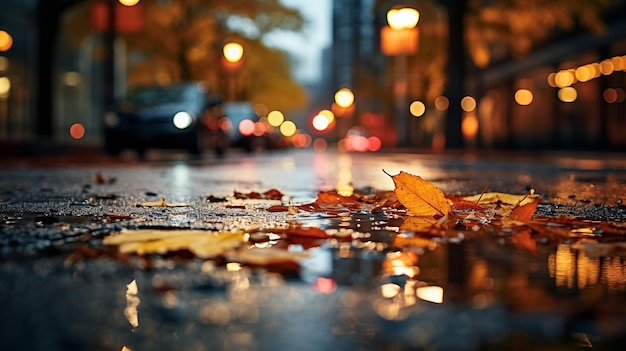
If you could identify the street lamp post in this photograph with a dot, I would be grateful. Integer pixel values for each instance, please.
(400, 39)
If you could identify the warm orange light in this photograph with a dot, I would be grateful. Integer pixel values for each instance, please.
(275, 118)
(523, 97)
(344, 97)
(469, 126)
(320, 122)
(288, 128)
(417, 108)
(129, 2)
(403, 18)
(329, 115)
(77, 131)
(607, 67)
(5, 86)
(610, 95)
(468, 104)
(584, 73)
(564, 78)
(6, 40)
(442, 103)
(233, 52)
(568, 94)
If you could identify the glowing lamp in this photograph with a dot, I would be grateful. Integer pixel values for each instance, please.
(403, 18)
(344, 97)
(233, 52)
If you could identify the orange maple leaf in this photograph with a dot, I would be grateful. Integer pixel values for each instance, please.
(419, 196)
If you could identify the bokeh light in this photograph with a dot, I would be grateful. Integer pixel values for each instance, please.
(469, 126)
(4, 64)
(568, 94)
(417, 108)
(523, 97)
(301, 140)
(329, 115)
(607, 67)
(468, 104)
(6, 40)
(129, 2)
(320, 144)
(275, 118)
(374, 143)
(233, 52)
(344, 97)
(5, 86)
(77, 131)
(246, 127)
(320, 123)
(564, 78)
(610, 95)
(442, 103)
(288, 128)
(403, 18)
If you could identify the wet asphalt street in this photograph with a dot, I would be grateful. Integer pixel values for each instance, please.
(61, 290)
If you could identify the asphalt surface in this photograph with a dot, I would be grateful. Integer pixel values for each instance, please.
(62, 289)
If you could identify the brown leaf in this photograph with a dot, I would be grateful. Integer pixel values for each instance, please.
(420, 197)
(524, 212)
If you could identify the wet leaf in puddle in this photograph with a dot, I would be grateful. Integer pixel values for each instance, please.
(265, 256)
(418, 223)
(419, 196)
(203, 244)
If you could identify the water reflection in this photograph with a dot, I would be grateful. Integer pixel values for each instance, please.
(132, 302)
(572, 269)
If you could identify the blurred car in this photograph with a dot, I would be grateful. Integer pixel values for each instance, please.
(181, 116)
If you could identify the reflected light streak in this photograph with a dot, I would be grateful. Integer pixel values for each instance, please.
(344, 181)
(432, 294)
(132, 302)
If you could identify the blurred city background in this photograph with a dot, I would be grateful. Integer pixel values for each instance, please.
(358, 75)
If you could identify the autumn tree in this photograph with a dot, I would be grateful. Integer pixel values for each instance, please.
(183, 40)
(513, 28)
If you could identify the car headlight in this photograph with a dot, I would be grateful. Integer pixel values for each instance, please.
(182, 120)
(111, 119)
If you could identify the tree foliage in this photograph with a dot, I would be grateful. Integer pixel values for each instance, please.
(183, 40)
(513, 27)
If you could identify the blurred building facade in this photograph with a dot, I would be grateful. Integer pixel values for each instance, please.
(592, 116)
(498, 116)
(17, 69)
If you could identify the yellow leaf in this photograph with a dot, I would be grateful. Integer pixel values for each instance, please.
(202, 243)
(420, 197)
(418, 223)
(161, 203)
(509, 199)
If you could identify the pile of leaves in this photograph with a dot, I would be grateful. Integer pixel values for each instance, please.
(426, 212)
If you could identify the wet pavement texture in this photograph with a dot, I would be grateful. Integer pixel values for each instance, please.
(62, 289)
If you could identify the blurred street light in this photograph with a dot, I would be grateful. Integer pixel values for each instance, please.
(233, 52)
(400, 39)
(232, 62)
(344, 98)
